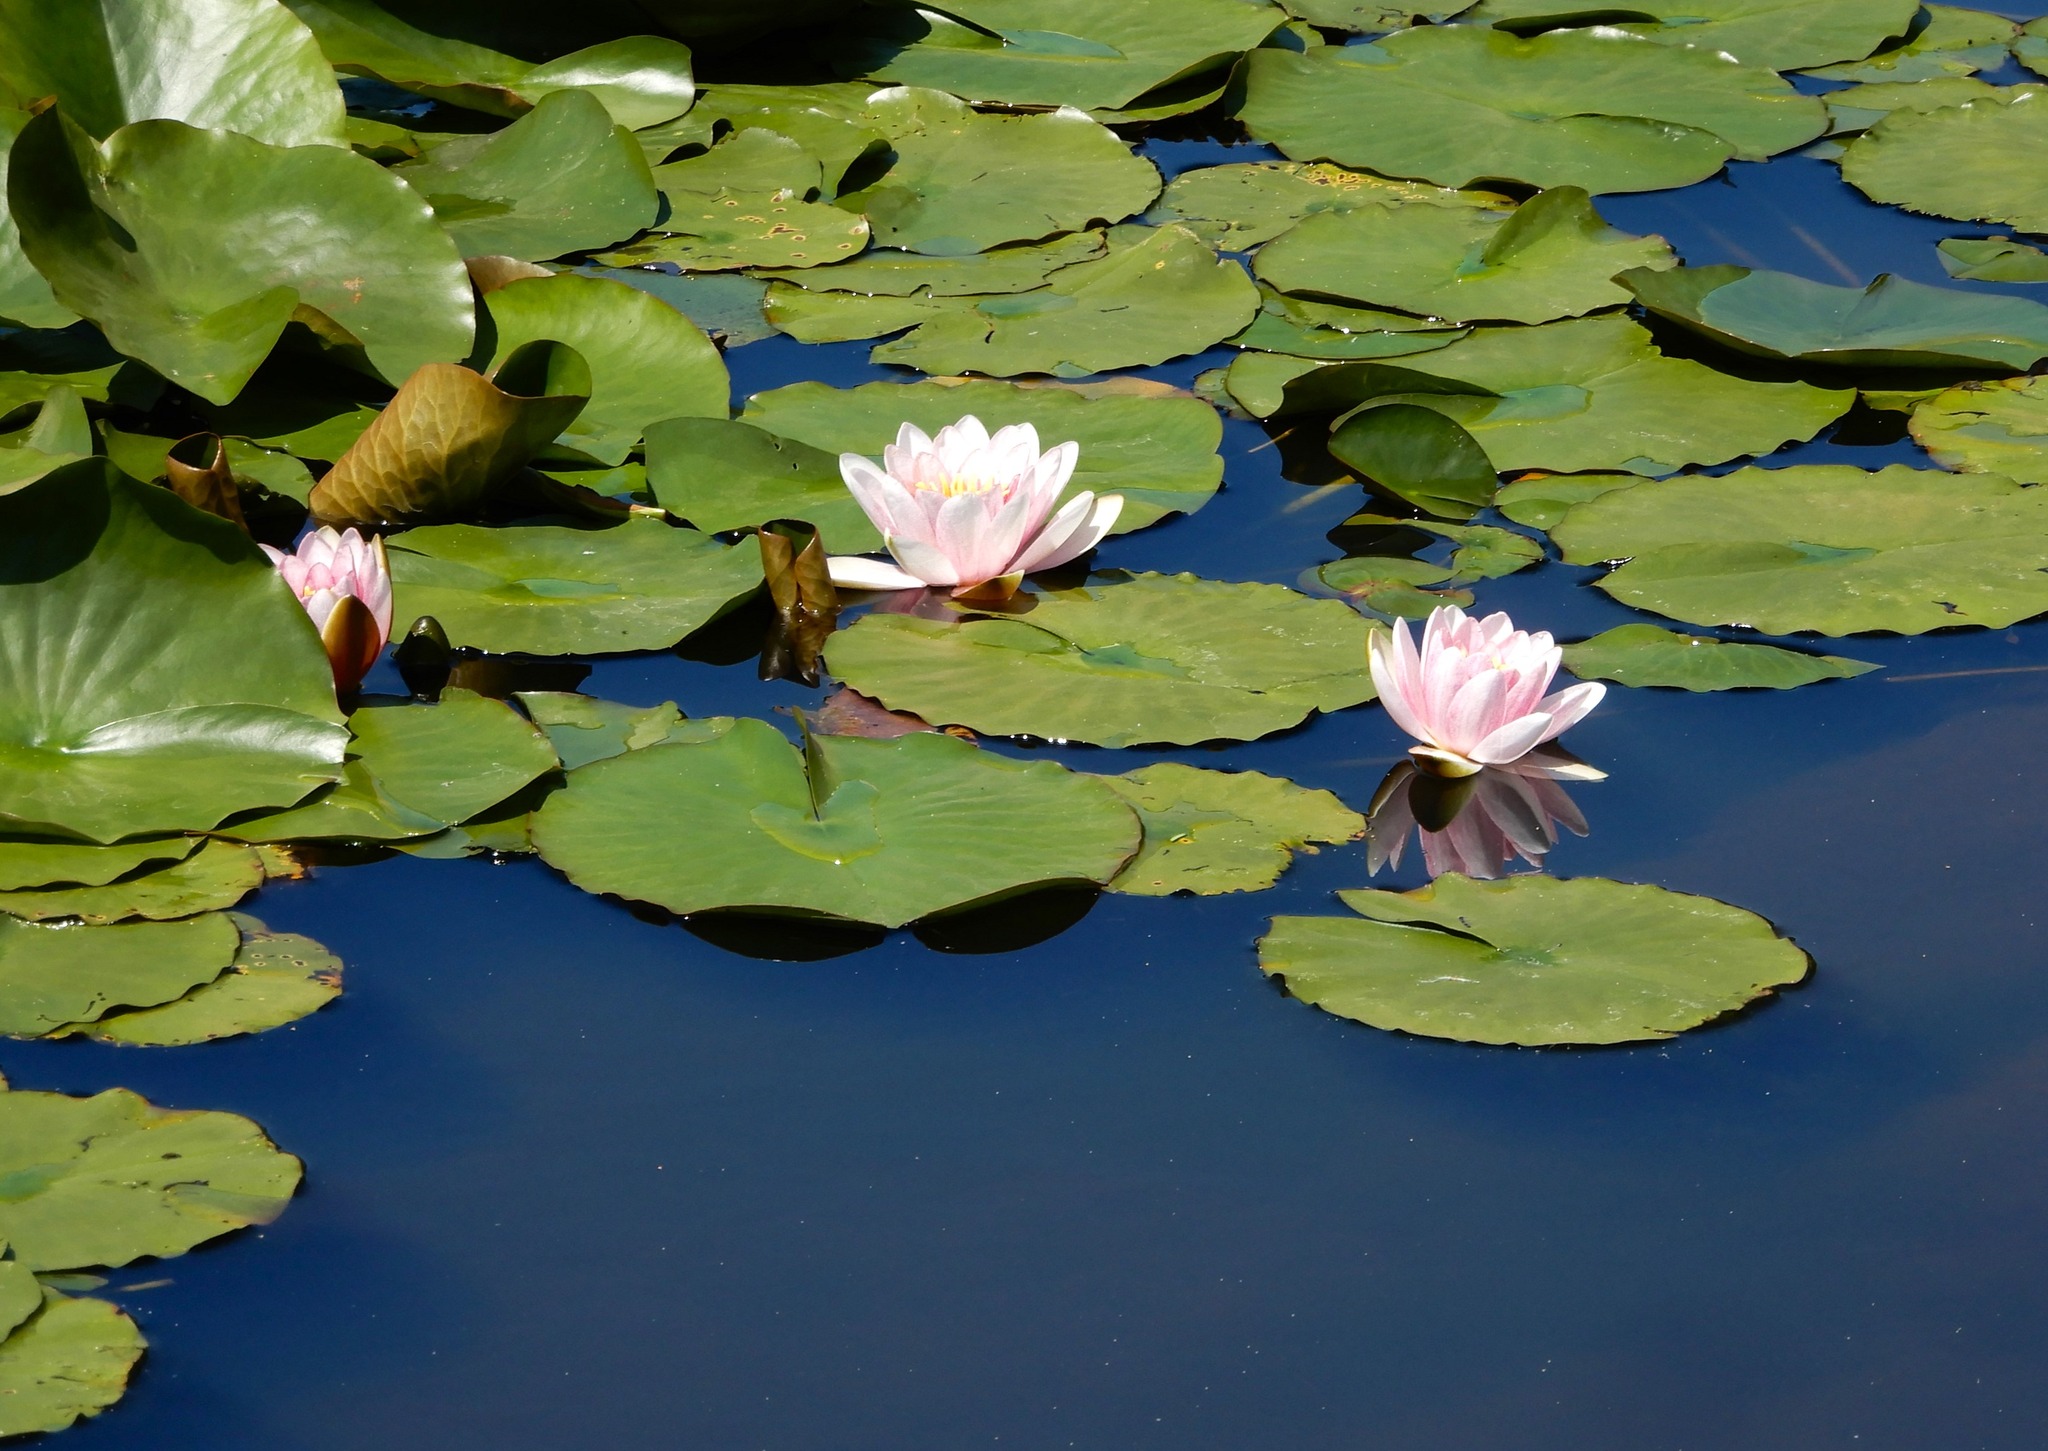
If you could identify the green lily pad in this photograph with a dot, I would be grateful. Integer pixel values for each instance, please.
(1988, 428)
(277, 978)
(1782, 35)
(1210, 832)
(1338, 332)
(21, 1295)
(1531, 961)
(1644, 655)
(1892, 323)
(1237, 206)
(1825, 548)
(1369, 17)
(1551, 257)
(1417, 454)
(962, 182)
(2031, 49)
(1457, 104)
(868, 831)
(1128, 660)
(219, 875)
(1992, 259)
(1483, 552)
(1394, 587)
(550, 590)
(1985, 160)
(54, 975)
(1859, 108)
(1155, 446)
(647, 361)
(169, 731)
(886, 272)
(61, 434)
(729, 230)
(827, 122)
(108, 1179)
(724, 305)
(25, 298)
(70, 1361)
(721, 474)
(744, 161)
(583, 730)
(234, 65)
(1542, 499)
(1954, 42)
(562, 178)
(147, 237)
(28, 863)
(1064, 52)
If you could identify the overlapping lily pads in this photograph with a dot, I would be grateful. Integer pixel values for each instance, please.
(1988, 428)
(1647, 655)
(726, 230)
(276, 978)
(1208, 832)
(1780, 34)
(720, 474)
(1985, 160)
(1992, 259)
(1531, 961)
(68, 1361)
(217, 876)
(1953, 42)
(1237, 206)
(892, 272)
(55, 975)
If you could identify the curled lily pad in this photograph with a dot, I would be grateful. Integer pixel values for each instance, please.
(1126, 660)
(109, 1179)
(1531, 961)
(60, 434)
(52, 975)
(68, 1361)
(548, 590)
(1953, 42)
(276, 978)
(25, 297)
(1992, 259)
(1209, 832)
(1984, 160)
(1780, 34)
(1988, 428)
(1596, 108)
(145, 235)
(867, 831)
(31, 863)
(727, 230)
(721, 474)
(1338, 331)
(219, 875)
(1647, 655)
(168, 732)
(1825, 548)
(1237, 206)
(583, 730)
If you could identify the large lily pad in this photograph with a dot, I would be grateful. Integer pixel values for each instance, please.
(1531, 960)
(235, 65)
(1782, 35)
(869, 831)
(54, 975)
(69, 1361)
(1988, 428)
(1985, 160)
(277, 978)
(1209, 832)
(1595, 108)
(1153, 445)
(219, 875)
(722, 474)
(1128, 660)
(1065, 52)
(1825, 548)
(1237, 206)
(168, 731)
(647, 361)
(1646, 655)
(108, 1179)
(25, 297)
(1552, 257)
(148, 236)
(1892, 323)
(562, 178)
(550, 590)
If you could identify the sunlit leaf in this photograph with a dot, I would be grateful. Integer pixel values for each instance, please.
(1647, 655)
(889, 272)
(720, 475)
(1209, 832)
(583, 730)
(277, 978)
(1953, 42)
(1779, 34)
(729, 230)
(1237, 206)
(51, 975)
(219, 875)
(1992, 259)
(68, 1362)
(26, 862)
(1985, 160)
(1988, 428)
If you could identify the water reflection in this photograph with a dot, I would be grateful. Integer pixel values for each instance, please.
(1477, 825)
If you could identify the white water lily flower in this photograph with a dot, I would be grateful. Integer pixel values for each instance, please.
(970, 513)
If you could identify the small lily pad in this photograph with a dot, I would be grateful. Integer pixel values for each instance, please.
(54, 975)
(69, 1361)
(583, 730)
(1644, 655)
(1540, 500)
(1988, 428)
(277, 978)
(1992, 259)
(1209, 832)
(729, 230)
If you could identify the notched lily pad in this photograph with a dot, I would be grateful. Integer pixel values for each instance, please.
(1209, 832)
(1985, 160)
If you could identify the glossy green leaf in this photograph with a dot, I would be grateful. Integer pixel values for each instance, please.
(1209, 832)
(1127, 660)
(1992, 259)
(68, 1362)
(724, 305)
(1237, 206)
(1540, 500)
(1647, 655)
(1825, 548)
(827, 122)
(583, 730)
(234, 65)
(549, 590)
(1531, 960)
(647, 361)
(1395, 587)
(1337, 332)
(562, 178)
(52, 975)
(729, 230)
(754, 161)
(219, 875)
(1778, 34)
(25, 298)
(1859, 108)
(148, 237)
(888, 272)
(26, 862)
(1153, 445)
(277, 978)
(720, 474)
(1595, 108)
(60, 434)
(1988, 428)
(1985, 160)
(1483, 552)
(21, 1295)
(1953, 42)
(34, 364)
(1417, 454)
(868, 831)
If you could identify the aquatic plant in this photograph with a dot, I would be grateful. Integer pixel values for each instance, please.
(344, 581)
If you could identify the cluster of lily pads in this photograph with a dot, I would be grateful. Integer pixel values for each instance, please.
(462, 276)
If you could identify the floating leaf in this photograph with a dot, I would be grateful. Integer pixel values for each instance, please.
(277, 978)
(1647, 655)
(1340, 333)
(60, 434)
(724, 305)
(1368, 17)
(25, 298)
(1237, 206)
(51, 976)
(1154, 445)
(1824, 548)
(218, 876)
(1892, 323)
(1861, 107)
(234, 65)
(108, 1179)
(168, 731)
(1393, 586)
(647, 361)
(148, 237)
(562, 178)
(725, 474)
(829, 123)
(1988, 428)
(1483, 551)
(1540, 500)
(1779, 34)
(21, 1295)
(1456, 104)
(68, 1362)
(1992, 259)
(736, 229)
(891, 273)
(1982, 161)
(583, 730)
(25, 863)
(1954, 42)
(1209, 832)
(1551, 257)
(1531, 961)
(1129, 660)
(1419, 455)
(744, 161)
(452, 437)
(872, 831)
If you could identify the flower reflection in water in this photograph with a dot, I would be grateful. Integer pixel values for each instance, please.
(1477, 825)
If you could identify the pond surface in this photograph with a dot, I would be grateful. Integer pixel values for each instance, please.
(580, 1179)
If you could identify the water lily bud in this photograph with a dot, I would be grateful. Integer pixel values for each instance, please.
(344, 581)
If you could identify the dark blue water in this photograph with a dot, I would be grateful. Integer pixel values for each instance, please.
(579, 1180)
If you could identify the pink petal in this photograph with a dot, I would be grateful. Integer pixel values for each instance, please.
(1099, 516)
(1512, 741)
(1570, 706)
(876, 492)
(1475, 712)
(854, 571)
(927, 562)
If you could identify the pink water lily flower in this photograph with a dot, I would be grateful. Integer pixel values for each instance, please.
(970, 513)
(344, 581)
(1473, 693)
(1506, 812)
